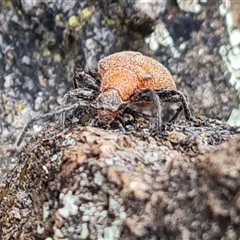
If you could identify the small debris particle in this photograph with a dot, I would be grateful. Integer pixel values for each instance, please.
(86, 12)
(46, 52)
(69, 142)
(69, 205)
(109, 162)
(114, 206)
(85, 218)
(85, 231)
(99, 178)
(40, 229)
(112, 233)
(73, 21)
(122, 215)
(58, 233)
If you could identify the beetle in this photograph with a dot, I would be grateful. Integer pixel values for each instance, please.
(123, 80)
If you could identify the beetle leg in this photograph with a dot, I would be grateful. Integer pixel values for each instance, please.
(59, 110)
(125, 118)
(172, 96)
(84, 94)
(86, 79)
(175, 116)
(119, 124)
(150, 95)
(80, 93)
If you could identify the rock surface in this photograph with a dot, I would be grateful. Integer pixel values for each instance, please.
(89, 183)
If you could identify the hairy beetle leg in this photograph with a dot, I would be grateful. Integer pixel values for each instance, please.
(81, 94)
(150, 95)
(59, 110)
(173, 96)
(86, 79)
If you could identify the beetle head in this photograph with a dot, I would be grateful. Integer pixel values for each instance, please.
(108, 104)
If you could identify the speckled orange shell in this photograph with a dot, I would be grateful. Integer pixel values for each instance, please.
(128, 71)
